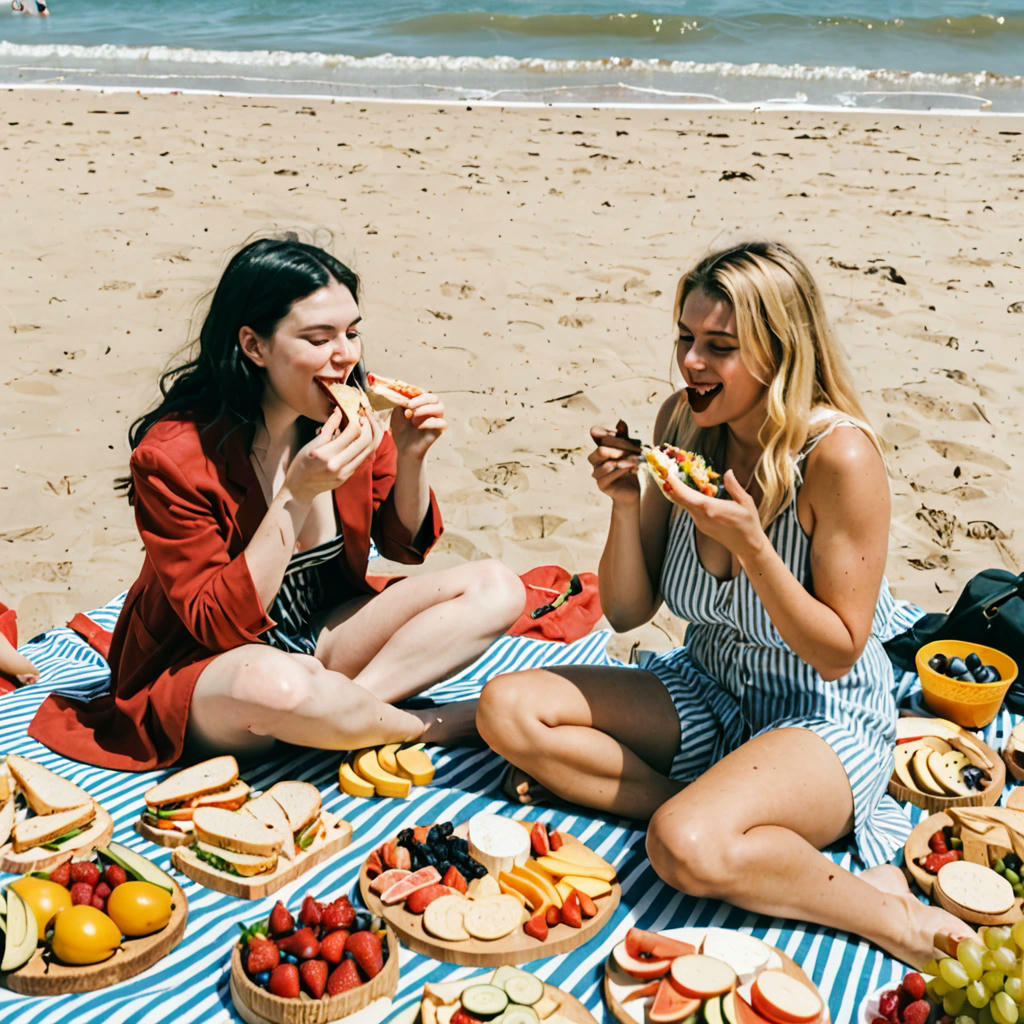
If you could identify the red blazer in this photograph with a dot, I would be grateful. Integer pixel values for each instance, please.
(197, 505)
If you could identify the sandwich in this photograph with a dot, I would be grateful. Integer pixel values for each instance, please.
(171, 804)
(386, 392)
(284, 821)
(667, 461)
(64, 816)
(349, 398)
(6, 802)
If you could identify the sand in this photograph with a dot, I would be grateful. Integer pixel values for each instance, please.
(521, 263)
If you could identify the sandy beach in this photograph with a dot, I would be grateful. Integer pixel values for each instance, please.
(521, 263)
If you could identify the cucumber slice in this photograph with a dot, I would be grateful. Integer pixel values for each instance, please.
(484, 1000)
(501, 973)
(138, 866)
(517, 1014)
(523, 988)
(56, 844)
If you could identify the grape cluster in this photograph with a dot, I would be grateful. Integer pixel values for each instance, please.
(984, 982)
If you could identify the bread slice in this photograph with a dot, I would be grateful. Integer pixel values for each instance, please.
(300, 801)
(218, 773)
(46, 791)
(44, 828)
(350, 399)
(6, 819)
(6, 782)
(235, 830)
(267, 810)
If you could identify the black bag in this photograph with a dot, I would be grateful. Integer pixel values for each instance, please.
(990, 611)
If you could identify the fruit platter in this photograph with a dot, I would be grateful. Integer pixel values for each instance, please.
(493, 891)
(966, 860)
(87, 924)
(507, 993)
(711, 975)
(325, 962)
(936, 765)
(391, 770)
(978, 981)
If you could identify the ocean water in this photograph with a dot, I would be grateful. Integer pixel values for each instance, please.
(955, 55)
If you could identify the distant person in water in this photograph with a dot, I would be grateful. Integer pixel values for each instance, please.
(32, 7)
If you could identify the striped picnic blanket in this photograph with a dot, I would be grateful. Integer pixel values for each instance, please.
(191, 983)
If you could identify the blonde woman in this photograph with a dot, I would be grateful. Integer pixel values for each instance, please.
(769, 734)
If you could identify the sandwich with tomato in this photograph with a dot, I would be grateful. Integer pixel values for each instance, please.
(387, 392)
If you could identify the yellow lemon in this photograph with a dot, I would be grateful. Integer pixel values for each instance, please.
(84, 935)
(44, 898)
(139, 908)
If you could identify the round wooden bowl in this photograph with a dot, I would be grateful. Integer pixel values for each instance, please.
(257, 1006)
(917, 846)
(45, 975)
(986, 797)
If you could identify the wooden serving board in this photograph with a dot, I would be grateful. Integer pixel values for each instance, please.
(515, 948)
(99, 833)
(917, 846)
(45, 975)
(258, 1006)
(163, 836)
(617, 982)
(339, 835)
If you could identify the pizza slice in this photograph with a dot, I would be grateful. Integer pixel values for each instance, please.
(667, 461)
(349, 398)
(386, 392)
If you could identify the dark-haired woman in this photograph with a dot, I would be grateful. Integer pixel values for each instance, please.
(253, 619)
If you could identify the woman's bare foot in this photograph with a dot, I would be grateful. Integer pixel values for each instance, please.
(520, 788)
(927, 928)
(449, 725)
(15, 665)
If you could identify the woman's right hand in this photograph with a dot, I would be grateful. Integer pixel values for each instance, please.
(331, 457)
(615, 460)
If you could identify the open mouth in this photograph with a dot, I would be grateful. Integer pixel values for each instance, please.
(700, 396)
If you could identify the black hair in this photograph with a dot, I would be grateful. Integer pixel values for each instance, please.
(257, 289)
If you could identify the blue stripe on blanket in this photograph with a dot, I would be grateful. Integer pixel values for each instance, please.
(190, 984)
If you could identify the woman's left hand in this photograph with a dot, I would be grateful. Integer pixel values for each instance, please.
(734, 524)
(418, 425)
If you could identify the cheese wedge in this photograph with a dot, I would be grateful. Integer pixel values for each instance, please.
(946, 769)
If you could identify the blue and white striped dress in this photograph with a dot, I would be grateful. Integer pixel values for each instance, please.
(736, 678)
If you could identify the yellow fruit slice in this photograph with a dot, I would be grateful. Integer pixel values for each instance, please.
(539, 877)
(386, 784)
(353, 784)
(592, 887)
(517, 882)
(386, 757)
(414, 763)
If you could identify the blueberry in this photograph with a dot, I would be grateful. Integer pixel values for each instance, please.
(361, 922)
(957, 667)
(262, 979)
(1012, 861)
(972, 778)
(938, 663)
(289, 958)
(973, 661)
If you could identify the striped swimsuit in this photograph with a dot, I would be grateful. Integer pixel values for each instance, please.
(736, 678)
(307, 591)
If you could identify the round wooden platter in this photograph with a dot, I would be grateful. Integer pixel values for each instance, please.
(569, 1006)
(514, 948)
(617, 982)
(99, 833)
(978, 752)
(339, 835)
(44, 975)
(369, 1003)
(917, 846)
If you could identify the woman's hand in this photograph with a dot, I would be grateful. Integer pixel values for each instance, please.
(418, 425)
(614, 461)
(734, 524)
(327, 461)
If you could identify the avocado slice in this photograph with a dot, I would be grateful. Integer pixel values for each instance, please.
(22, 933)
(138, 866)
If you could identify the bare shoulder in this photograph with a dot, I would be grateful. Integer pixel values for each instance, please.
(845, 465)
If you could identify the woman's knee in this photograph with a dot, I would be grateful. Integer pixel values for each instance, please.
(497, 587)
(276, 685)
(505, 710)
(694, 852)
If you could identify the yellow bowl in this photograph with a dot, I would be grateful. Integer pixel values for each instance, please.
(970, 705)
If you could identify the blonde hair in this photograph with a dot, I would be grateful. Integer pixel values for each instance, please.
(786, 343)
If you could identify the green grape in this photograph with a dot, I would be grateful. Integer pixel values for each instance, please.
(1004, 959)
(999, 867)
(1011, 876)
(955, 843)
(1017, 933)
(937, 988)
(996, 937)
(1018, 889)
(963, 1018)
(953, 1001)
(977, 995)
(987, 963)
(971, 954)
(1014, 988)
(1004, 1009)
(953, 973)
(931, 967)
(993, 980)
(985, 1015)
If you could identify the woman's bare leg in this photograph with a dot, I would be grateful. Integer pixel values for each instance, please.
(750, 829)
(251, 694)
(422, 628)
(603, 737)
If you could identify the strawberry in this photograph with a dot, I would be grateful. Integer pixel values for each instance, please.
(934, 861)
(889, 1004)
(539, 840)
(102, 890)
(314, 977)
(587, 906)
(61, 874)
(339, 914)
(332, 946)
(553, 915)
(284, 981)
(262, 955)
(461, 1017)
(571, 913)
(917, 1012)
(454, 879)
(419, 899)
(85, 871)
(343, 977)
(366, 948)
(937, 842)
(555, 839)
(98, 902)
(115, 875)
(310, 912)
(879, 1020)
(281, 922)
(537, 926)
(420, 833)
(81, 892)
(303, 944)
(914, 985)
